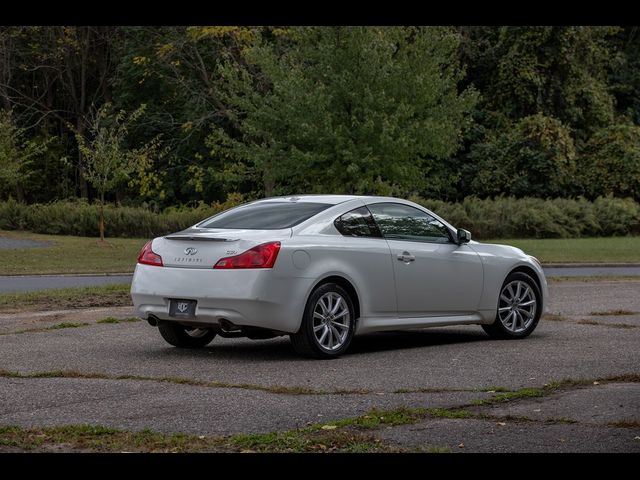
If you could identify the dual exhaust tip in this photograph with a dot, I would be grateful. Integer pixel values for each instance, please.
(225, 325)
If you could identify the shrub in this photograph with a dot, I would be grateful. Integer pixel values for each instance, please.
(502, 217)
(508, 217)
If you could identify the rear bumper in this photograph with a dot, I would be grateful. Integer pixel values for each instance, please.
(252, 297)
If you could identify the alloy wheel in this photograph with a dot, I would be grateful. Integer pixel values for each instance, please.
(331, 321)
(517, 306)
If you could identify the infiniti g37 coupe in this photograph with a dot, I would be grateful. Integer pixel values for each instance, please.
(322, 269)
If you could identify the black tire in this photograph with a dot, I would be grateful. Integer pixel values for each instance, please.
(498, 329)
(306, 343)
(178, 335)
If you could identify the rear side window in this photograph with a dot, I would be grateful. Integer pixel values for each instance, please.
(357, 223)
(265, 216)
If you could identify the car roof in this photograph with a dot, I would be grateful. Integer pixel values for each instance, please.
(330, 199)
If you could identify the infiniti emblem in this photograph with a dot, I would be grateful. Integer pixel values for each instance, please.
(190, 251)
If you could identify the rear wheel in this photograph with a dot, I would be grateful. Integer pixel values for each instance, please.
(518, 308)
(328, 323)
(185, 337)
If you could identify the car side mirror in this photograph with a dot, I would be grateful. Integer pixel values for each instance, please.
(464, 236)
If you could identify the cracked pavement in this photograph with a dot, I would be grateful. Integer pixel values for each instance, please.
(439, 367)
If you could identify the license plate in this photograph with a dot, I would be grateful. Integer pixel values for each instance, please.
(182, 308)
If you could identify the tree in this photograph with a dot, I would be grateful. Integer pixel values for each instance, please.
(561, 72)
(108, 163)
(344, 109)
(16, 153)
(611, 162)
(534, 157)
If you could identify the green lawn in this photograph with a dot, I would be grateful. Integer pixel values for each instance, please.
(572, 250)
(69, 255)
(84, 255)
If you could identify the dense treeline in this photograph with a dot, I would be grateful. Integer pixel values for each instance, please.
(161, 116)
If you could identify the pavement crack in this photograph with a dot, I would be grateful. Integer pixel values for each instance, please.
(588, 321)
(281, 390)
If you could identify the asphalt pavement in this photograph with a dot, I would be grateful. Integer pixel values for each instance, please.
(593, 335)
(31, 283)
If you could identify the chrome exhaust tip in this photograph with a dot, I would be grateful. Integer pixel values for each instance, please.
(153, 321)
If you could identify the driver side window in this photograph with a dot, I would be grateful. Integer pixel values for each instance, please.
(403, 222)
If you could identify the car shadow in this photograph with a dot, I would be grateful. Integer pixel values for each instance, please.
(280, 349)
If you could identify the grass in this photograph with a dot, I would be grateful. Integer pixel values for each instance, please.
(625, 424)
(587, 321)
(375, 418)
(612, 313)
(63, 298)
(119, 320)
(515, 395)
(575, 250)
(102, 439)
(68, 254)
(58, 326)
(594, 278)
(62, 325)
(449, 413)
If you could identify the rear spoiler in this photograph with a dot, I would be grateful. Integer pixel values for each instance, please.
(200, 238)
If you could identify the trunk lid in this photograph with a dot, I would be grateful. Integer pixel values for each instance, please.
(202, 248)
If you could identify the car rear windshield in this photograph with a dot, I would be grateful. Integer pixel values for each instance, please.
(265, 216)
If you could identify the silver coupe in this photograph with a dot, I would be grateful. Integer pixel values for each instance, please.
(323, 268)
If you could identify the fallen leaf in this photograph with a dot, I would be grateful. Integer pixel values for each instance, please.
(329, 427)
(502, 424)
(537, 410)
(491, 391)
(201, 437)
(461, 445)
(596, 383)
(637, 438)
(247, 451)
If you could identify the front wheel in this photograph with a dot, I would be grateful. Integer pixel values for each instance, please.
(185, 337)
(327, 325)
(519, 308)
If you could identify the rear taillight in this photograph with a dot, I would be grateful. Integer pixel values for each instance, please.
(262, 256)
(148, 256)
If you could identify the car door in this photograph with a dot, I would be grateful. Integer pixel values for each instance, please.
(434, 276)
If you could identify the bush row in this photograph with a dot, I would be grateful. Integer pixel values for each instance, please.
(508, 217)
(490, 218)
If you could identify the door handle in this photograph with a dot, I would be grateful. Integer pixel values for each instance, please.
(406, 257)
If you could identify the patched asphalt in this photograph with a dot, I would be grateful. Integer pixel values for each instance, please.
(32, 283)
(445, 359)
(12, 243)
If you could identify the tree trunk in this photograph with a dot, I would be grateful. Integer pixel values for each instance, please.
(19, 193)
(269, 183)
(84, 187)
(102, 216)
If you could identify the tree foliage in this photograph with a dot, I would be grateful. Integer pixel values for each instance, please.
(355, 110)
(440, 112)
(107, 163)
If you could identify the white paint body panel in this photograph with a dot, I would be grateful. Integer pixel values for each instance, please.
(447, 284)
